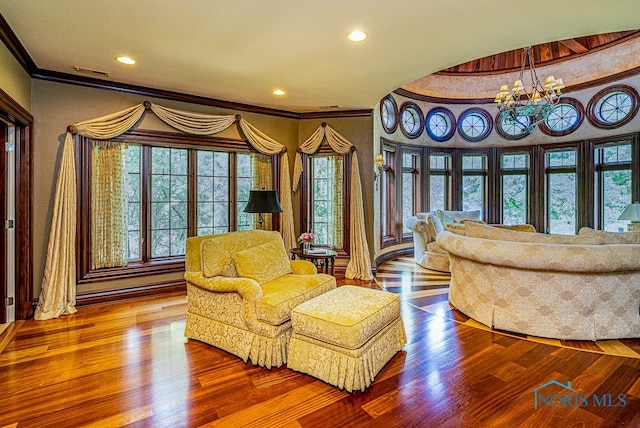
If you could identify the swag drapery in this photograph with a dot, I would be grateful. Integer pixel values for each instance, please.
(359, 266)
(58, 294)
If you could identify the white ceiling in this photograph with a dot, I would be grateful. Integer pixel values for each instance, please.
(242, 50)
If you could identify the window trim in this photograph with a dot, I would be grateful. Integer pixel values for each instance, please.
(392, 129)
(501, 172)
(410, 105)
(475, 111)
(452, 122)
(155, 266)
(388, 179)
(634, 165)
(594, 102)
(579, 108)
(498, 120)
(305, 193)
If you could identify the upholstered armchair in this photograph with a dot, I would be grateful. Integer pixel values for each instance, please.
(241, 288)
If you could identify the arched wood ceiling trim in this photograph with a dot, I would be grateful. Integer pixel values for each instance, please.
(543, 54)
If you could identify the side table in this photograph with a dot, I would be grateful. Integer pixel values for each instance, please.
(321, 257)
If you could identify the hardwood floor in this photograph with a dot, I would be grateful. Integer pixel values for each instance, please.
(128, 364)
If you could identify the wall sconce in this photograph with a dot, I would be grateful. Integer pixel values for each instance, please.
(378, 167)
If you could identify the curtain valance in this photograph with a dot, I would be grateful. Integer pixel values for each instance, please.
(58, 294)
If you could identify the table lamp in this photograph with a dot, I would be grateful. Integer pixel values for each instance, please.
(263, 201)
(632, 212)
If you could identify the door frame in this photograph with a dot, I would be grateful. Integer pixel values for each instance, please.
(17, 116)
(4, 128)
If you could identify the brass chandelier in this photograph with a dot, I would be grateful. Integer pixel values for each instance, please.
(526, 108)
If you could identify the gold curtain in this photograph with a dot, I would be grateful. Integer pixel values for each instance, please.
(58, 294)
(108, 205)
(335, 170)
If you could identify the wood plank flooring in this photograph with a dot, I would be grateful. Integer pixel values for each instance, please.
(128, 364)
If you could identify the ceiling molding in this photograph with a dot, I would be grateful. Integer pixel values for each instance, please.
(92, 82)
(11, 41)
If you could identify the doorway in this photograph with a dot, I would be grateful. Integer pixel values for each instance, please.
(7, 236)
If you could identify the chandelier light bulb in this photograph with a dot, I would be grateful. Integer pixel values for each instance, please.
(534, 103)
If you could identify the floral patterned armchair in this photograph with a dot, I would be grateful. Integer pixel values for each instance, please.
(241, 288)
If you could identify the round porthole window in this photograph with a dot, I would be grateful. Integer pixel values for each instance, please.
(440, 124)
(411, 120)
(512, 130)
(613, 107)
(389, 114)
(474, 124)
(566, 117)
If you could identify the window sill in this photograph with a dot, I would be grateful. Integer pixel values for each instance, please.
(132, 270)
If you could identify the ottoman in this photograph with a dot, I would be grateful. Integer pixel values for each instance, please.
(346, 336)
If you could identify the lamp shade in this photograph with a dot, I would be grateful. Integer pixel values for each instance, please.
(632, 212)
(263, 201)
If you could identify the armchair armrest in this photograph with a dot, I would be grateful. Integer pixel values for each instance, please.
(303, 267)
(246, 287)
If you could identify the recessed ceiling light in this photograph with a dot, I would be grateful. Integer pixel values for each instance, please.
(278, 92)
(357, 36)
(125, 60)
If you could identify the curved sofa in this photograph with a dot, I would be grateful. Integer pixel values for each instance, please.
(576, 288)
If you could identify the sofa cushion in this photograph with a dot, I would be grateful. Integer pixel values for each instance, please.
(216, 258)
(281, 295)
(435, 248)
(457, 228)
(612, 237)
(435, 225)
(263, 263)
(447, 217)
(216, 251)
(516, 227)
(476, 230)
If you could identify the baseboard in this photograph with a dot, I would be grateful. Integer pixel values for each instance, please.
(110, 296)
(403, 252)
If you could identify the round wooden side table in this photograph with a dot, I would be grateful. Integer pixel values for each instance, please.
(321, 257)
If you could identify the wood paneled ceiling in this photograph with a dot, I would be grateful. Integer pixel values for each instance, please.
(543, 54)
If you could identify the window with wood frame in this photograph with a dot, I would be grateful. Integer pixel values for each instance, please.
(514, 187)
(324, 198)
(439, 181)
(561, 191)
(613, 183)
(474, 182)
(175, 186)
